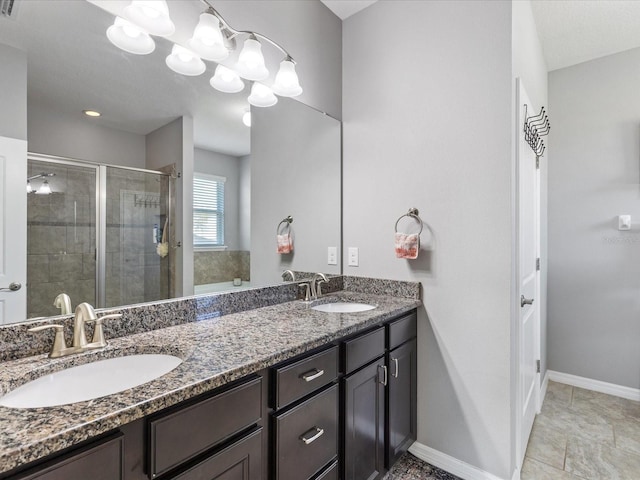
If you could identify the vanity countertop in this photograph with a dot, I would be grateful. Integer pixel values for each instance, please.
(215, 351)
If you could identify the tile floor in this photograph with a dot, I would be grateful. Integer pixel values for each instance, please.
(584, 435)
(580, 435)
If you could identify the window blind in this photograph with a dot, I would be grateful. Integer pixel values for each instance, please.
(208, 210)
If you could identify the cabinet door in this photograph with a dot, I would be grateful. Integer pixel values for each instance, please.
(401, 427)
(364, 401)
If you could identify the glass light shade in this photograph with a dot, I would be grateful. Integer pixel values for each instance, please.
(207, 39)
(226, 80)
(251, 62)
(185, 62)
(246, 119)
(262, 96)
(44, 189)
(287, 83)
(130, 38)
(29, 188)
(152, 16)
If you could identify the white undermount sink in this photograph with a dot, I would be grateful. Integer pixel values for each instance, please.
(89, 381)
(343, 307)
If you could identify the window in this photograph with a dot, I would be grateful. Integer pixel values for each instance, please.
(208, 210)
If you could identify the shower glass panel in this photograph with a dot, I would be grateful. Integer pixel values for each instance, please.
(61, 235)
(136, 211)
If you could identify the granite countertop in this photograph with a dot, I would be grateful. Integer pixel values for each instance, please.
(214, 352)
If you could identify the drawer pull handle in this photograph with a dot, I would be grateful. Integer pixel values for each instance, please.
(384, 369)
(318, 433)
(397, 372)
(312, 375)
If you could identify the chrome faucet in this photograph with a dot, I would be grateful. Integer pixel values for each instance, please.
(84, 314)
(316, 288)
(290, 273)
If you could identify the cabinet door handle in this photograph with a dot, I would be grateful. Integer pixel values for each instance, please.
(397, 372)
(307, 440)
(384, 369)
(312, 375)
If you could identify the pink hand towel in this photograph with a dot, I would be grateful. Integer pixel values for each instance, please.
(407, 246)
(285, 244)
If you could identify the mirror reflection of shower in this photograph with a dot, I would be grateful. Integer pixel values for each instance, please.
(45, 188)
(92, 235)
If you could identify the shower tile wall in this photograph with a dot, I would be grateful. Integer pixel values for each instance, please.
(61, 238)
(220, 266)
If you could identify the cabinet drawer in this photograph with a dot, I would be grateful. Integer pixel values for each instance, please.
(362, 349)
(330, 473)
(99, 461)
(304, 376)
(240, 461)
(183, 434)
(307, 436)
(402, 330)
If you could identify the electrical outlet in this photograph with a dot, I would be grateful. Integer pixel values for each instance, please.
(332, 256)
(353, 256)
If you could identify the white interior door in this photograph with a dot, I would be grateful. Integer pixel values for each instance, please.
(528, 330)
(13, 230)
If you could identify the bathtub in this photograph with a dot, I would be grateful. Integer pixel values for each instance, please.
(220, 287)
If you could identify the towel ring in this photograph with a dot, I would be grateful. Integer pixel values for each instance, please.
(413, 213)
(287, 221)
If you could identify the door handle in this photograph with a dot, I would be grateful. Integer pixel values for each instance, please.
(13, 287)
(525, 301)
(397, 372)
(312, 375)
(307, 440)
(384, 369)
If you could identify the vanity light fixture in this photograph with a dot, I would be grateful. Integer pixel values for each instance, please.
(91, 113)
(251, 62)
(29, 187)
(226, 80)
(130, 38)
(262, 96)
(246, 118)
(207, 40)
(213, 39)
(287, 84)
(152, 16)
(185, 62)
(44, 189)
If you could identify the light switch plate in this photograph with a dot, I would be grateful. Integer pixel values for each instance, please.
(353, 256)
(624, 222)
(332, 256)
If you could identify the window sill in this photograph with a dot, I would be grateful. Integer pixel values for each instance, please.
(210, 249)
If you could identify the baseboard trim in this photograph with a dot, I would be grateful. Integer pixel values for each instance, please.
(595, 385)
(451, 464)
(543, 389)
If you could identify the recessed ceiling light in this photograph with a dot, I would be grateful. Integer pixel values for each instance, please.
(91, 113)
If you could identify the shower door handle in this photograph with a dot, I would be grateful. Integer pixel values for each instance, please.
(13, 287)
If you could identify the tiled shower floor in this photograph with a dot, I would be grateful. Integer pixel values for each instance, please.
(580, 435)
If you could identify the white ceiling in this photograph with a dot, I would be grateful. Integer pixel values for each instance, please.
(346, 8)
(575, 31)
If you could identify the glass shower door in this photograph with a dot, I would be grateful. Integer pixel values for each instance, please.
(137, 206)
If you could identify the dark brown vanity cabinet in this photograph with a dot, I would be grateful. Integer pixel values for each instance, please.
(305, 418)
(402, 364)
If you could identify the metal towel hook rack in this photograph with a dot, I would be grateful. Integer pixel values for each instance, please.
(412, 213)
(535, 127)
(287, 221)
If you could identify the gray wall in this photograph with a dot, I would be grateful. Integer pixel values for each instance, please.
(13, 93)
(214, 163)
(167, 145)
(594, 269)
(429, 125)
(295, 170)
(244, 203)
(77, 136)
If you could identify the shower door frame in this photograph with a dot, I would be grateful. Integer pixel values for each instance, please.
(100, 168)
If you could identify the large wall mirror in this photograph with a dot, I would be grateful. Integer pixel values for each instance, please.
(113, 229)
